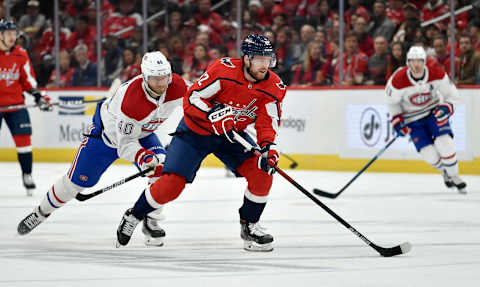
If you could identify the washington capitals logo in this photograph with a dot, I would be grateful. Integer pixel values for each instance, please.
(246, 111)
(9, 75)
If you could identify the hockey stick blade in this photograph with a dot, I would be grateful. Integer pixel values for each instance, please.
(335, 195)
(386, 252)
(324, 193)
(393, 251)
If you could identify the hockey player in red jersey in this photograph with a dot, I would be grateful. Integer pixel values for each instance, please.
(17, 76)
(123, 127)
(230, 95)
(421, 99)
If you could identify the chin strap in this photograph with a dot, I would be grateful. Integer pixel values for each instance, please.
(150, 91)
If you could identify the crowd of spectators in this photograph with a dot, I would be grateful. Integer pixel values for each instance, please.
(305, 34)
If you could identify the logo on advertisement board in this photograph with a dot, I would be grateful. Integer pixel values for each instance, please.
(370, 126)
(71, 105)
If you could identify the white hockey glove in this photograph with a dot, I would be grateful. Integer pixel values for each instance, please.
(222, 118)
(146, 159)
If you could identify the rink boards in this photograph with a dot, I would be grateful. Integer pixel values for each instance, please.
(322, 129)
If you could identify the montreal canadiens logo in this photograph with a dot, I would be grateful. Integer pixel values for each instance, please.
(420, 99)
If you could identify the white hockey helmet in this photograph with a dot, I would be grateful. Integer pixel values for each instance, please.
(417, 52)
(155, 64)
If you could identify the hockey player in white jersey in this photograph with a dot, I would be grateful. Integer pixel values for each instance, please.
(421, 98)
(123, 127)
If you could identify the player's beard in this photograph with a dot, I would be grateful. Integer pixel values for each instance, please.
(257, 75)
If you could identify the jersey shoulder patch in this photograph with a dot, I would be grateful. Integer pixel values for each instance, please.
(135, 104)
(176, 89)
(400, 79)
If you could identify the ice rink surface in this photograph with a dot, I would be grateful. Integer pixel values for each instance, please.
(75, 246)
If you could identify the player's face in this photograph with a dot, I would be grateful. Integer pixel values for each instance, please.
(259, 66)
(9, 37)
(416, 67)
(158, 84)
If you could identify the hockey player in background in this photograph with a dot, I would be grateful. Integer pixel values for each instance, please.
(123, 126)
(17, 76)
(230, 95)
(421, 98)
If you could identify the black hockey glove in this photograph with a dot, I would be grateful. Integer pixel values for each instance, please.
(43, 102)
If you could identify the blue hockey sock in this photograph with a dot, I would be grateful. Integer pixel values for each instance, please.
(142, 207)
(25, 160)
(251, 211)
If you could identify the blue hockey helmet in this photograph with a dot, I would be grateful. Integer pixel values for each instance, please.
(258, 45)
(7, 25)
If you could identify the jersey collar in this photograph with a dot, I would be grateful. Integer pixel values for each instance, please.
(420, 82)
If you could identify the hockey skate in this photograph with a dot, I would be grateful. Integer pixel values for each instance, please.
(154, 234)
(126, 228)
(459, 184)
(31, 221)
(255, 239)
(447, 179)
(28, 183)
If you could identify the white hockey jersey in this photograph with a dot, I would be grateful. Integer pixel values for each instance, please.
(416, 99)
(131, 114)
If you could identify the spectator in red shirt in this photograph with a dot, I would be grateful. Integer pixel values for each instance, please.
(47, 42)
(206, 17)
(269, 11)
(66, 72)
(442, 55)
(130, 67)
(83, 34)
(433, 9)
(77, 7)
(354, 63)
(355, 9)
(395, 12)
(125, 17)
(365, 41)
(290, 7)
(196, 66)
(312, 71)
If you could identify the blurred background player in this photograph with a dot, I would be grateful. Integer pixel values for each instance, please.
(230, 95)
(420, 98)
(16, 76)
(123, 127)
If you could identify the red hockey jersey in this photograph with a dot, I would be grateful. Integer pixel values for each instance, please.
(16, 76)
(224, 83)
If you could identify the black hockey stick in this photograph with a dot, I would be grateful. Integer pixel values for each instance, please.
(83, 197)
(76, 102)
(334, 195)
(386, 252)
(294, 163)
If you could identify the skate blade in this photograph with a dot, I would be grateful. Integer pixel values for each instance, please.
(462, 191)
(153, 242)
(255, 247)
(30, 192)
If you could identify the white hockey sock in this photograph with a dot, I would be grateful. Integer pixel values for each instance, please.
(59, 194)
(446, 148)
(157, 213)
(431, 155)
